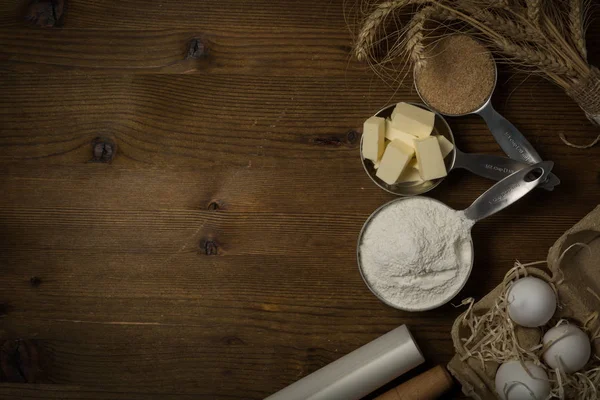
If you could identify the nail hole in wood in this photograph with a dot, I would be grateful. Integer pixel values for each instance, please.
(45, 13)
(352, 136)
(213, 206)
(211, 248)
(103, 150)
(35, 281)
(19, 361)
(196, 49)
(5, 308)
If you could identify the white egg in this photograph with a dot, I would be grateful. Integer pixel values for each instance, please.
(531, 302)
(570, 349)
(514, 383)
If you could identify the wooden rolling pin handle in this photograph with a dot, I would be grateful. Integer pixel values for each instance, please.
(430, 385)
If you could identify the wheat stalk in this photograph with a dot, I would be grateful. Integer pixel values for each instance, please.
(534, 8)
(564, 48)
(527, 55)
(528, 33)
(414, 33)
(511, 28)
(503, 31)
(576, 17)
(368, 33)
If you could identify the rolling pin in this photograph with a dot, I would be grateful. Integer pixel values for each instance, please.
(430, 385)
(360, 372)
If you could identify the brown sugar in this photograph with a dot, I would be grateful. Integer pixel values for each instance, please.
(458, 77)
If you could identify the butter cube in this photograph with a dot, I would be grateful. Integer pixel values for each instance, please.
(413, 120)
(446, 146)
(373, 138)
(413, 163)
(392, 133)
(395, 158)
(430, 159)
(410, 175)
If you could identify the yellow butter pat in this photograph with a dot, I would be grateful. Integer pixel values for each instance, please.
(413, 120)
(373, 138)
(413, 163)
(430, 159)
(410, 175)
(395, 158)
(392, 133)
(446, 146)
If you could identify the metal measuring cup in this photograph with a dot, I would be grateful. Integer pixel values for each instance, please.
(485, 165)
(498, 197)
(510, 139)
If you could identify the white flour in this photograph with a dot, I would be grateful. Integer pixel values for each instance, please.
(416, 253)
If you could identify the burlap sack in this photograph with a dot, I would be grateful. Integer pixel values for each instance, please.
(587, 94)
(579, 271)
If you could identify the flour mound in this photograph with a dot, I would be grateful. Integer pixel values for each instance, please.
(416, 253)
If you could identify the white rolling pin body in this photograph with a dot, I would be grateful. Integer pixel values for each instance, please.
(360, 372)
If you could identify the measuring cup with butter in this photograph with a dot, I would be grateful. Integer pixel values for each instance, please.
(416, 253)
(485, 165)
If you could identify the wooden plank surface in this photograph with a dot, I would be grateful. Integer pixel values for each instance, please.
(309, 38)
(297, 51)
(214, 257)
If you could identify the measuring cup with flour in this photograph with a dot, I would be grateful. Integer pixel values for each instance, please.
(458, 79)
(416, 253)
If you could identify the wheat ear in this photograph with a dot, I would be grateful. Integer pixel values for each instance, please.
(506, 26)
(545, 62)
(534, 8)
(576, 17)
(548, 63)
(414, 35)
(368, 33)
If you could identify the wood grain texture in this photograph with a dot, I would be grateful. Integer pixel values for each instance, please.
(311, 38)
(214, 256)
(241, 121)
(232, 14)
(264, 38)
(298, 52)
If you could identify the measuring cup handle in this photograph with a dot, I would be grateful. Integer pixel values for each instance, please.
(510, 139)
(491, 167)
(508, 191)
(488, 166)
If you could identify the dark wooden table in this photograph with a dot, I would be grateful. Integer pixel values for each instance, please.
(182, 194)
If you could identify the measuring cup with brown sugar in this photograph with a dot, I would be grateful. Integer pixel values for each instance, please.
(457, 79)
